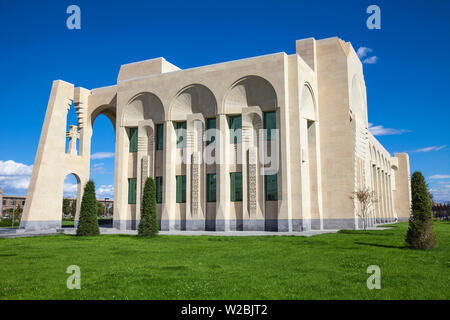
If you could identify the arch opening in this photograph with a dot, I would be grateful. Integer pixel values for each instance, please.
(102, 163)
(71, 194)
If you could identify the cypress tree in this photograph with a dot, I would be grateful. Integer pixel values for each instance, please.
(88, 222)
(420, 234)
(148, 226)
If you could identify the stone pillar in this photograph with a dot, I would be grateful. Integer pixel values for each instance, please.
(223, 175)
(169, 179)
(195, 218)
(402, 193)
(379, 197)
(374, 188)
(120, 216)
(386, 200)
(391, 195)
(285, 222)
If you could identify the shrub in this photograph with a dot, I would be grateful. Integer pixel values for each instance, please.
(420, 234)
(88, 222)
(148, 226)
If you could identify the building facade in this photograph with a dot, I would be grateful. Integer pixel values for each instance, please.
(290, 145)
(10, 202)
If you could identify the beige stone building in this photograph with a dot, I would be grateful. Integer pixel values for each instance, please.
(320, 152)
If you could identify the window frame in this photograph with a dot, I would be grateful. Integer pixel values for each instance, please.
(211, 196)
(159, 136)
(181, 189)
(132, 193)
(267, 195)
(180, 125)
(268, 132)
(159, 189)
(133, 139)
(234, 189)
(232, 127)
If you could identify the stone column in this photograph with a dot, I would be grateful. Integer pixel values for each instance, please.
(169, 179)
(285, 211)
(223, 175)
(391, 194)
(379, 197)
(195, 218)
(374, 187)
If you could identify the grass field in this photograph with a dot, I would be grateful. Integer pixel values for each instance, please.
(329, 266)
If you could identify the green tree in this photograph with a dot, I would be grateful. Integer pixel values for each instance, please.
(148, 226)
(73, 208)
(101, 209)
(420, 234)
(88, 221)
(66, 206)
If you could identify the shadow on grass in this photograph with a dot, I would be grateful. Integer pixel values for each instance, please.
(381, 245)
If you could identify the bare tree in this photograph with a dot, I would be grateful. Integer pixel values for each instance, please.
(366, 199)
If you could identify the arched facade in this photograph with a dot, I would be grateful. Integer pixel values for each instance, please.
(257, 144)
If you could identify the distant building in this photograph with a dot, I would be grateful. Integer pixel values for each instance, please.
(11, 202)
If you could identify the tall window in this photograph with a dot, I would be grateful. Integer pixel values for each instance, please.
(159, 189)
(133, 139)
(159, 137)
(270, 123)
(236, 186)
(235, 123)
(132, 191)
(211, 187)
(181, 189)
(210, 124)
(271, 187)
(181, 134)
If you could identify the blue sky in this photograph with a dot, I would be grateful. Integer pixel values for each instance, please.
(407, 85)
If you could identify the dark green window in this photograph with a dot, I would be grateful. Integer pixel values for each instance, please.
(210, 124)
(270, 123)
(181, 134)
(236, 186)
(211, 187)
(181, 189)
(271, 186)
(159, 136)
(235, 123)
(132, 191)
(159, 189)
(133, 139)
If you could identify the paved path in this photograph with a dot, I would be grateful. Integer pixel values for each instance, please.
(19, 233)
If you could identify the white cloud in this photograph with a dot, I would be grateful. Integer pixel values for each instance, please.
(363, 51)
(428, 149)
(441, 195)
(102, 155)
(105, 191)
(12, 168)
(440, 176)
(370, 60)
(14, 175)
(70, 189)
(382, 131)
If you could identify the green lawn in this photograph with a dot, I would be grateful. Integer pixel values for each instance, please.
(329, 266)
